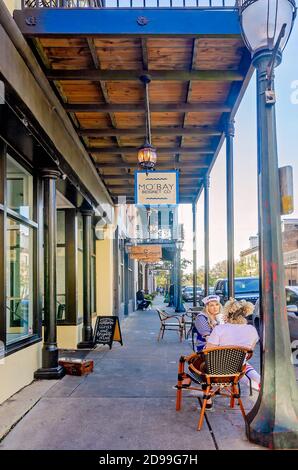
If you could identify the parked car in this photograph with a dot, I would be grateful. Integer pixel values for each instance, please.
(246, 288)
(292, 309)
(187, 293)
(292, 295)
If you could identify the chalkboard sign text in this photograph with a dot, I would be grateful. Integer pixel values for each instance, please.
(107, 330)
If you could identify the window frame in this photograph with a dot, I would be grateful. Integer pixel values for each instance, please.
(79, 249)
(93, 261)
(35, 225)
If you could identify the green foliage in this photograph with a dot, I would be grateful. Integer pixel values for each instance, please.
(184, 263)
(148, 297)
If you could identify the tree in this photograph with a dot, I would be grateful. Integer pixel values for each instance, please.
(218, 271)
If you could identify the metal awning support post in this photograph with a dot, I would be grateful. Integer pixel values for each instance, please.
(146, 279)
(175, 277)
(126, 283)
(87, 314)
(179, 305)
(194, 252)
(172, 283)
(206, 227)
(230, 133)
(50, 368)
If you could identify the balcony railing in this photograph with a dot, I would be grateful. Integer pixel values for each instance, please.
(128, 4)
(161, 233)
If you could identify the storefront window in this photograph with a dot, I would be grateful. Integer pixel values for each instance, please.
(19, 253)
(19, 189)
(93, 272)
(60, 266)
(80, 264)
(19, 281)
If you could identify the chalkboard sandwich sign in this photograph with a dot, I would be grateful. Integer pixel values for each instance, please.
(107, 330)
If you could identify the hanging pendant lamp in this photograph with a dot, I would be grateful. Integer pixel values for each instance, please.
(147, 153)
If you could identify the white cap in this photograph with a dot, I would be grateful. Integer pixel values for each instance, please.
(210, 298)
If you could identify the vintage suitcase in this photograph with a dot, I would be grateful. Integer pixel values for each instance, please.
(75, 366)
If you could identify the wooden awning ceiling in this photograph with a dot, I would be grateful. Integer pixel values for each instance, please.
(196, 82)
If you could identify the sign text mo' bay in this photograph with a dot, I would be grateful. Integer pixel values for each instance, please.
(156, 187)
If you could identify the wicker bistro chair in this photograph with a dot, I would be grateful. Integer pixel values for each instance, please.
(170, 322)
(216, 370)
(189, 319)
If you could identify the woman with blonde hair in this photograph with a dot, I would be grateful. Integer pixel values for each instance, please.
(207, 320)
(236, 332)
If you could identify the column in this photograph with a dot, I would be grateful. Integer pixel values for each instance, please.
(146, 279)
(50, 368)
(172, 282)
(87, 314)
(179, 306)
(116, 259)
(206, 239)
(175, 278)
(230, 133)
(126, 283)
(194, 255)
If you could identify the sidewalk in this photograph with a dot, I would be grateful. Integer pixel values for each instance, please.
(127, 403)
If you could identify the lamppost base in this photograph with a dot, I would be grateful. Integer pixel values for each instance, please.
(52, 373)
(277, 438)
(86, 345)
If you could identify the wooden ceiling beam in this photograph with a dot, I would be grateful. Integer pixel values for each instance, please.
(154, 108)
(130, 176)
(195, 49)
(158, 131)
(102, 85)
(160, 75)
(130, 184)
(144, 53)
(160, 150)
(122, 190)
(165, 165)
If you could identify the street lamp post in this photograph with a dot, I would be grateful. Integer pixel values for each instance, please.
(179, 305)
(273, 422)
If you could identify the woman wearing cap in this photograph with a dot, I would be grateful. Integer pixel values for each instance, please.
(207, 320)
(204, 324)
(236, 332)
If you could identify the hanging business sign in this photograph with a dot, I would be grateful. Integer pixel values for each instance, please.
(146, 253)
(156, 187)
(148, 259)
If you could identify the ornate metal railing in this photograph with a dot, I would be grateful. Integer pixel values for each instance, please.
(128, 3)
(158, 233)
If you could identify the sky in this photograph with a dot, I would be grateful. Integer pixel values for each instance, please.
(245, 165)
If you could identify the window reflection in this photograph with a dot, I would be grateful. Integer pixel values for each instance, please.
(19, 281)
(19, 189)
(80, 264)
(60, 267)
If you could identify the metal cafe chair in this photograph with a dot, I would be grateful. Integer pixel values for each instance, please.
(169, 322)
(189, 319)
(216, 371)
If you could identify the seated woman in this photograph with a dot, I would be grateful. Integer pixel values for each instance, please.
(236, 332)
(142, 303)
(207, 320)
